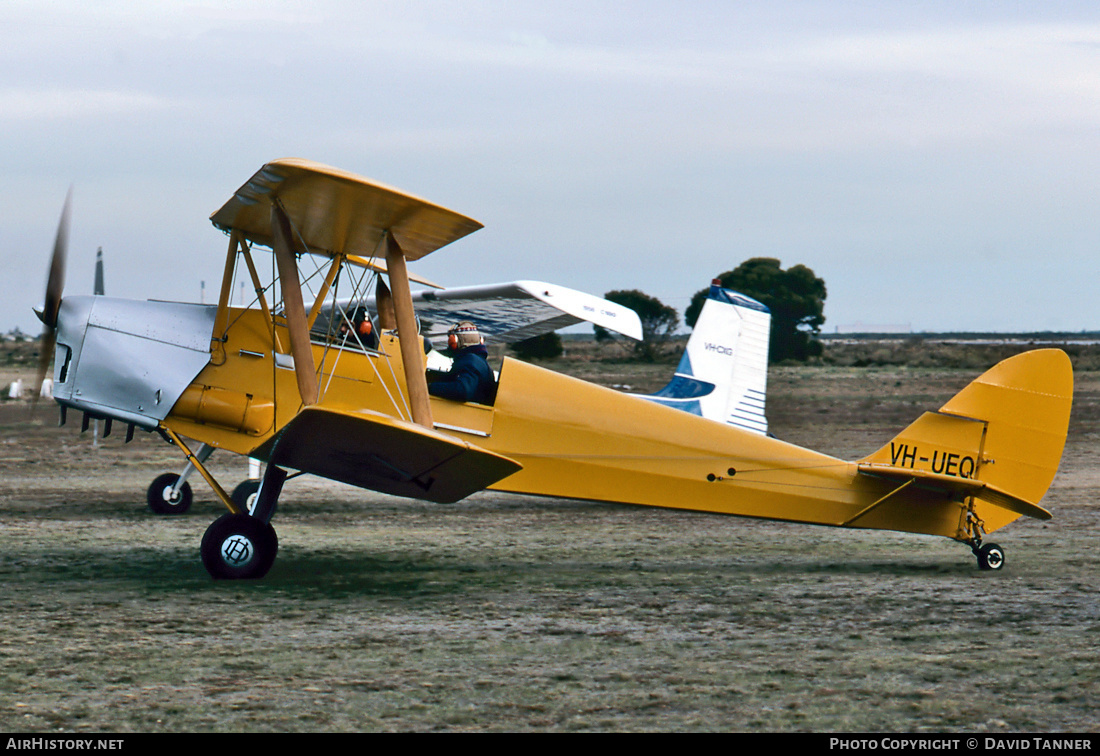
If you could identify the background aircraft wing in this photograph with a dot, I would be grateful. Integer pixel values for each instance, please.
(511, 312)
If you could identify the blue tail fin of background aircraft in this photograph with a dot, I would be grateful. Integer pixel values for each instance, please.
(723, 374)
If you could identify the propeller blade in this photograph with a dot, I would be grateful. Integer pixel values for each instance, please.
(55, 283)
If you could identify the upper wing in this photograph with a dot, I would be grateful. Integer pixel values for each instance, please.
(378, 265)
(336, 211)
(511, 312)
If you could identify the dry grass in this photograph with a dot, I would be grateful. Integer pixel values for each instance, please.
(521, 614)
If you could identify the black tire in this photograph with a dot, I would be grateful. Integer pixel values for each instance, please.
(244, 495)
(239, 547)
(991, 557)
(160, 496)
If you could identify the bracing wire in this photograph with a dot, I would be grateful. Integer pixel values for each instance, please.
(361, 287)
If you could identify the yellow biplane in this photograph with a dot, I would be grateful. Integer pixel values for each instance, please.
(281, 382)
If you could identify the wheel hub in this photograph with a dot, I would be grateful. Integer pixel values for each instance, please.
(237, 550)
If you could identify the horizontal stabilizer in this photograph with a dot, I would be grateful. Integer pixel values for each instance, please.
(958, 487)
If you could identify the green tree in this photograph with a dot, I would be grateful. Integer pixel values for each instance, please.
(659, 322)
(796, 298)
(545, 346)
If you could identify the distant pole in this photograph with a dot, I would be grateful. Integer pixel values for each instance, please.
(202, 292)
(97, 289)
(98, 272)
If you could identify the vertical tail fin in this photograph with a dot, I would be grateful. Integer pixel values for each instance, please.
(723, 374)
(1000, 439)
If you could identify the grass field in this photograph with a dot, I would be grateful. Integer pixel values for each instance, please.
(506, 613)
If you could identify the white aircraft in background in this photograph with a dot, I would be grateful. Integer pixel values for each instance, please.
(723, 374)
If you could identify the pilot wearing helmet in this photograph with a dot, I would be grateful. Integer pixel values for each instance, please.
(362, 327)
(470, 379)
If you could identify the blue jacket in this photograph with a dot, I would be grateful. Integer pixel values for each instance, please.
(469, 380)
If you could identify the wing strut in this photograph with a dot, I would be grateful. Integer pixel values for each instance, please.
(304, 369)
(412, 355)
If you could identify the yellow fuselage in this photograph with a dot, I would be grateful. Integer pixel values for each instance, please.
(573, 439)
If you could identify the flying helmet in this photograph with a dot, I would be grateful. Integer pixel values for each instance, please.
(463, 334)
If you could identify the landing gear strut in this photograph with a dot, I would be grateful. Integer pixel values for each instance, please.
(990, 555)
(240, 545)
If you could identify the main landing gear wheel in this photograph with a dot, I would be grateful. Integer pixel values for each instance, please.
(163, 501)
(239, 547)
(991, 557)
(244, 495)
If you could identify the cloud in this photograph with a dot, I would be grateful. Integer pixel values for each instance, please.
(20, 105)
(582, 134)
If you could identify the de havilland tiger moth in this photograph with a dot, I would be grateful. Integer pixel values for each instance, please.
(285, 381)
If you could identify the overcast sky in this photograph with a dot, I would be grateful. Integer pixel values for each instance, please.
(936, 163)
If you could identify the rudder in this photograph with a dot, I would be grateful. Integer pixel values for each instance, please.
(1026, 403)
(1005, 431)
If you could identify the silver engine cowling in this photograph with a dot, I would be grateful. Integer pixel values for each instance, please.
(127, 359)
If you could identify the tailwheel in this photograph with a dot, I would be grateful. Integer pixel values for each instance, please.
(244, 495)
(163, 500)
(239, 547)
(991, 557)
